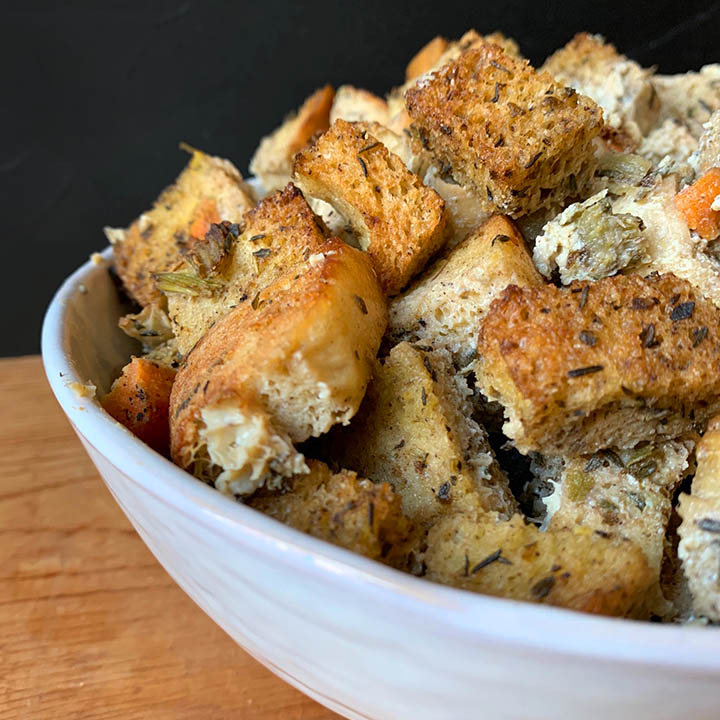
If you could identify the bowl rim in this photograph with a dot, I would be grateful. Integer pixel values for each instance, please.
(480, 617)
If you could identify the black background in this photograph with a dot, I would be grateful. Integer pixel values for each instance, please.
(97, 95)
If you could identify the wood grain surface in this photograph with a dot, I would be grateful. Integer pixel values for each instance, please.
(90, 625)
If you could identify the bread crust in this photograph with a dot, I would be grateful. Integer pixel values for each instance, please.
(425, 58)
(299, 352)
(511, 133)
(447, 302)
(340, 508)
(400, 222)
(272, 160)
(571, 568)
(612, 363)
(358, 105)
(414, 431)
(280, 232)
(154, 242)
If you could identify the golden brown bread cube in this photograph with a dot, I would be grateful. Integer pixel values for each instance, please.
(572, 568)
(514, 135)
(447, 302)
(277, 234)
(607, 364)
(272, 161)
(434, 59)
(425, 58)
(619, 86)
(624, 492)
(358, 105)
(699, 531)
(338, 507)
(289, 363)
(208, 189)
(414, 431)
(399, 222)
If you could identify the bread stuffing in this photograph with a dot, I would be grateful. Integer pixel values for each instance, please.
(468, 328)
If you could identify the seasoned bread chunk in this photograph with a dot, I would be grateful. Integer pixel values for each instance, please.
(356, 105)
(338, 507)
(588, 241)
(446, 304)
(272, 161)
(572, 568)
(512, 134)
(208, 190)
(619, 86)
(139, 400)
(690, 98)
(610, 364)
(399, 222)
(289, 364)
(670, 245)
(275, 236)
(699, 531)
(414, 431)
(625, 492)
(425, 58)
(439, 52)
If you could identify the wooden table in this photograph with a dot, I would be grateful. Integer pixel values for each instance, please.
(90, 625)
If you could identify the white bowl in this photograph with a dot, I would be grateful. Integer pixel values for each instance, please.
(361, 638)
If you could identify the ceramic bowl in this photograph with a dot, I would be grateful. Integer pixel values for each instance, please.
(361, 638)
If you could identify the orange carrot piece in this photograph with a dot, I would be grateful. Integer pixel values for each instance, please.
(140, 400)
(207, 213)
(694, 203)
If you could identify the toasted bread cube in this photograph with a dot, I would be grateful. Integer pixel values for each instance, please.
(446, 304)
(425, 58)
(699, 531)
(609, 364)
(414, 431)
(624, 492)
(619, 86)
(399, 222)
(208, 187)
(588, 241)
(690, 98)
(571, 568)
(399, 118)
(338, 507)
(280, 232)
(289, 363)
(670, 247)
(407, 148)
(273, 159)
(358, 105)
(512, 134)
(709, 146)
(140, 398)
(439, 52)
